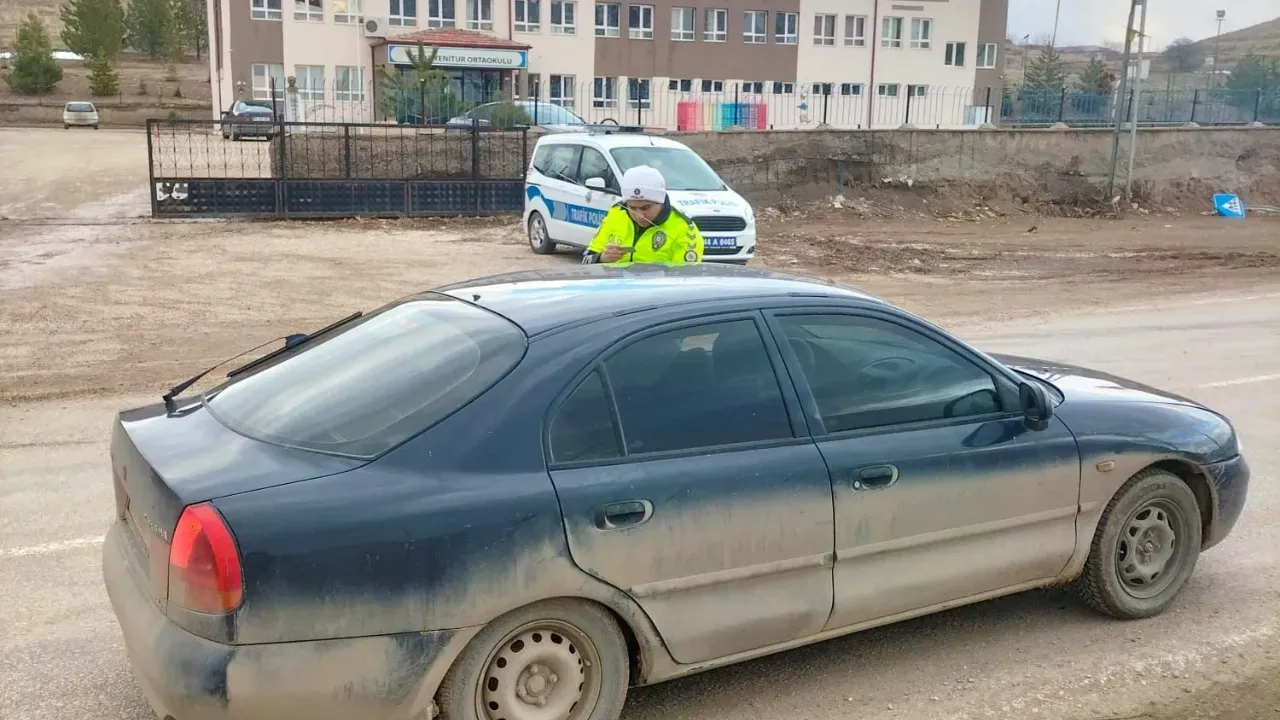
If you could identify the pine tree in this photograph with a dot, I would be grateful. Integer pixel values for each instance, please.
(1048, 71)
(103, 78)
(149, 26)
(33, 69)
(181, 19)
(93, 28)
(1091, 77)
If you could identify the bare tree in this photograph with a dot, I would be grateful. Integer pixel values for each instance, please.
(1184, 55)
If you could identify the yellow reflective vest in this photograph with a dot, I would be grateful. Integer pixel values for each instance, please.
(674, 239)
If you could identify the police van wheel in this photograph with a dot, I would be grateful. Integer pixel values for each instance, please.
(539, 239)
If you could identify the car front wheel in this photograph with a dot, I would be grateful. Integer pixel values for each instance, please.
(1145, 547)
(553, 660)
(539, 238)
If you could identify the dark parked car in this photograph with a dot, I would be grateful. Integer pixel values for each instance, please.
(249, 118)
(515, 497)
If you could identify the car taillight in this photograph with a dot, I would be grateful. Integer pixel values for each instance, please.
(204, 563)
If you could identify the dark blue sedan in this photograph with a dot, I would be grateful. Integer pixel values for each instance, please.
(515, 497)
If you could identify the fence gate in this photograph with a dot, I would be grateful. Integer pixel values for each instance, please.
(276, 169)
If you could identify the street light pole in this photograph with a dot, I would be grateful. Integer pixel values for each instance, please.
(1137, 93)
(1222, 15)
(1056, 14)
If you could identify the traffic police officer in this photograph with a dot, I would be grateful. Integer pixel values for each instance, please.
(643, 227)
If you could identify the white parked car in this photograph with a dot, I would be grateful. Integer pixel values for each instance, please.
(79, 113)
(573, 181)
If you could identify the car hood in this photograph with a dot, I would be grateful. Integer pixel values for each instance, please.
(1075, 381)
(718, 202)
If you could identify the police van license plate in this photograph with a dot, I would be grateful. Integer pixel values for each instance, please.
(720, 242)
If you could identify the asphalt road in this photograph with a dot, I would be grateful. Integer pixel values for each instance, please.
(1036, 655)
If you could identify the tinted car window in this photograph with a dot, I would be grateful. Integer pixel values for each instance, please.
(697, 387)
(370, 385)
(583, 426)
(867, 373)
(594, 165)
(548, 114)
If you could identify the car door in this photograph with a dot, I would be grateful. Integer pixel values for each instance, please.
(687, 480)
(942, 492)
(595, 203)
(556, 185)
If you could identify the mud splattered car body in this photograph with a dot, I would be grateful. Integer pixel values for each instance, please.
(667, 457)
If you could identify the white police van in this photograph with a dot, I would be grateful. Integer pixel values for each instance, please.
(574, 180)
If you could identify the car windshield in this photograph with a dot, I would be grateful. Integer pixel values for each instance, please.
(548, 114)
(247, 109)
(80, 107)
(680, 167)
(370, 385)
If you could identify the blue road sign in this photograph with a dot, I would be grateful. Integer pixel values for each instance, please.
(1228, 205)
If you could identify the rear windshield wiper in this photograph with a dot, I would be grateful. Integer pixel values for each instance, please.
(290, 342)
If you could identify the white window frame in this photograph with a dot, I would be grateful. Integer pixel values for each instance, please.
(755, 38)
(891, 32)
(982, 61)
(820, 89)
(851, 89)
(603, 28)
(751, 87)
(308, 10)
(262, 10)
(790, 34)
(781, 87)
(604, 92)
(953, 53)
(712, 86)
(824, 29)
(568, 9)
(643, 29)
(560, 90)
(399, 19)
(436, 17)
(479, 14)
(713, 19)
(680, 85)
(680, 30)
(262, 71)
(921, 34)
(643, 100)
(354, 14)
(312, 89)
(889, 90)
(521, 9)
(917, 91)
(855, 30)
(349, 94)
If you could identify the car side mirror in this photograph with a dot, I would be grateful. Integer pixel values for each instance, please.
(595, 183)
(1036, 406)
(294, 339)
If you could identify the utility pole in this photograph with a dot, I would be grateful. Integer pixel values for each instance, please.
(1122, 109)
(1056, 14)
(1137, 93)
(1217, 40)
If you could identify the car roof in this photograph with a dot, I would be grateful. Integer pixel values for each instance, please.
(540, 301)
(608, 141)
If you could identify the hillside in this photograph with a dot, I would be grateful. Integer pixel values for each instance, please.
(13, 12)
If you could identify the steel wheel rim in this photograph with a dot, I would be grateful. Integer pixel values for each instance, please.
(537, 233)
(1151, 548)
(544, 670)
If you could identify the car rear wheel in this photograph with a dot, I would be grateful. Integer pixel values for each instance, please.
(539, 239)
(554, 660)
(1145, 548)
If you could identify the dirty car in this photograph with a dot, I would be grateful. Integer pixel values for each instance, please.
(514, 498)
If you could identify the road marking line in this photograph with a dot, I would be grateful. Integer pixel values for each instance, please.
(49, 547)
(1242, 381)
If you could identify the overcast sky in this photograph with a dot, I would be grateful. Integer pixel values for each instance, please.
(1089, 22)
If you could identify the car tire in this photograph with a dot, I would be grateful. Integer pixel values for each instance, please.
(1145, 548)
(66, 126)
(95, 127)
(539, 237)
(574, 660)
(235, 136)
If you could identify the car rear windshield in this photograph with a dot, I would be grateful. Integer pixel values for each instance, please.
(369, 386)
(548, 114)
(248, 109)
(79, 107)
(680, 167)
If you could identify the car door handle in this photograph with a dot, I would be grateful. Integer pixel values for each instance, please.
(627, 514)
(875, 477)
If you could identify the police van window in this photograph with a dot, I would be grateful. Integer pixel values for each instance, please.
(697, 387)
(562, 163)
(583, 427)
(594, 165)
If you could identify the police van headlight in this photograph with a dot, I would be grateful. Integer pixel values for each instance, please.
(749, 214)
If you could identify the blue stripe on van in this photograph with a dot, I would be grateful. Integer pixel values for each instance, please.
(583, 215)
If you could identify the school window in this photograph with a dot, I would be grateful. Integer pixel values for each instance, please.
(563, 20)
(348, 83)
(560, 90)
(851, 89)
(266, 10)
(921, 34)
(751, 87)
(640, 22)
(712, 86)
(820, 89)
(891, 32)
(404, 13)
(855, 30)
(954, 56)
(824, 30)
(755, 28)
(716, 25)
(480, 14)
(638, 92)
(604, 92)
(346, 11)
(682, 24)
(676, 85)
(783, 88)
(887, 90)
(786, 28)
(917, 91)
(528, 15)
(310, 79)
(264, 74)
(308, 10)
(608, 19)
(987, 55)
(534, 83)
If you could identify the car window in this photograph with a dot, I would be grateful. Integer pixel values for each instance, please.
(548, 114)
(481, 113)
(697, 387)
(79, 107)
(866, 372)
(560, 162)
(681, 167)
(374, 383)
(583, 427)
(594, 165)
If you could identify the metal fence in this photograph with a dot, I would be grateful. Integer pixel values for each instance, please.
(282, 169)
(712, 105)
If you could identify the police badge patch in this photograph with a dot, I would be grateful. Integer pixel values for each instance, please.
(691, 256)
(659, 239)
